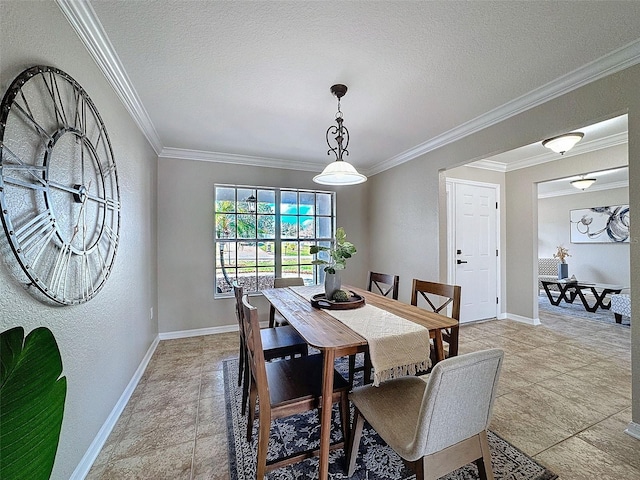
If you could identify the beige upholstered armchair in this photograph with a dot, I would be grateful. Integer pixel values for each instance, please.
(439, 425)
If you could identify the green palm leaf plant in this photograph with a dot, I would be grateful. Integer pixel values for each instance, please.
(32, 397)
(339, 252)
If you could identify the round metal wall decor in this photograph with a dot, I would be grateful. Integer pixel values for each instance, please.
(59, 193)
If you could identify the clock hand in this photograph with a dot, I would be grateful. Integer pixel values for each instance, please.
(84, 192)
(75, 190)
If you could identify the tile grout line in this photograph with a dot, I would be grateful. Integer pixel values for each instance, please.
(195, 437)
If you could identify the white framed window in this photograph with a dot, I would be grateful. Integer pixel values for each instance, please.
(263, 232)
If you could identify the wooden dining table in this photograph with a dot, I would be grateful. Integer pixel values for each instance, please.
(334, 339)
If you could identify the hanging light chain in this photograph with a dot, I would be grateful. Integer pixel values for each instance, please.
(341, 135)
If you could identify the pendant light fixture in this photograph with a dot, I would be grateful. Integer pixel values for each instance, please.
(563, 143)
(583, 183)
(339, 172)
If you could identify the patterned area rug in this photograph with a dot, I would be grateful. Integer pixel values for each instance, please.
(376, 461)
(576, 309)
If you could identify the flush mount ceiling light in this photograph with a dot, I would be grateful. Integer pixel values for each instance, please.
(563, 143)
(339, 172)
(583, 183)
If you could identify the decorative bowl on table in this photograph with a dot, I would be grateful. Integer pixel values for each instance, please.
(352, 300)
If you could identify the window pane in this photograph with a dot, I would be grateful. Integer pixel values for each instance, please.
(266, 201)
(266, 226)
(289, 203)
(323, 230)
(290, 271)
(265, 277)
(247, 277)
(225, 254)
(246, 226)
(288, 227)
(306, 272)
(289, 253)
(305, 256)
(243, 196)
(307, 227)
(225, 225)
(323, 204)
(221, 284)
(266, 253)
(247, 255)
(307, 203)
(225, 199)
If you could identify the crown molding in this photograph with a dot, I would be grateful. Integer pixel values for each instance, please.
(621, 138)
(204, 156)
(489, 165)
(84, 21)
(613, 62)
(593, 188)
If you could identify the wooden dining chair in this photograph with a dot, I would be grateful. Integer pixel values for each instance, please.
(438, 297)
(281, 343)
(275, 319)
(285, 388)
(382, 284)
(438, 425)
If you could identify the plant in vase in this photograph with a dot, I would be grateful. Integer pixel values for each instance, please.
(561, 254)
(339, 251)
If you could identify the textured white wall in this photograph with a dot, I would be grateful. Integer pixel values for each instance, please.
(589, 262)
(186, 234)
(405, 199)
(103, 341)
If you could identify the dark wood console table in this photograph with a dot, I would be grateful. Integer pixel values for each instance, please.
(568, 291)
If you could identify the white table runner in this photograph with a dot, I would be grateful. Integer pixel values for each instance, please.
(398, 347)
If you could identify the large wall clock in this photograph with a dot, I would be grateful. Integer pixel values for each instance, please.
(59, 191)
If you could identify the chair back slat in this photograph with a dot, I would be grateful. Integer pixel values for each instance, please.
(255, 352)
(281, 282)
(384, 284)
(237, 292)
(458, 400)
(428, 290)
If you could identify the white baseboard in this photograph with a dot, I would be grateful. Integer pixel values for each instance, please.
(82, 469)
(521, 319)
(633, 429)
(196, 332)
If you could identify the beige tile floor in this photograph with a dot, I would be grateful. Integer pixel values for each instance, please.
(564, 399)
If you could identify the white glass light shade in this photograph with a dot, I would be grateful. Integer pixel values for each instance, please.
(583, 183)
(563, 143)
(339, 173)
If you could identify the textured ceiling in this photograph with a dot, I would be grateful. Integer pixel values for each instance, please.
(252, 78)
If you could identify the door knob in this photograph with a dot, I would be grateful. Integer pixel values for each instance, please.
(461, 261)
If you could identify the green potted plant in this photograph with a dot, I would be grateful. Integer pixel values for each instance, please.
(32, 398)
(339, 251)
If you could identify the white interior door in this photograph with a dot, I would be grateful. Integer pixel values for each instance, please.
(474, 215)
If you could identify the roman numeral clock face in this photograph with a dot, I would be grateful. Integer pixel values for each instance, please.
(59, 191)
